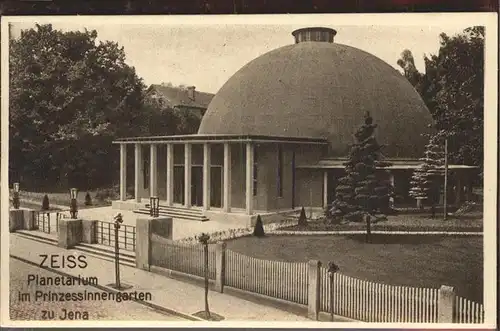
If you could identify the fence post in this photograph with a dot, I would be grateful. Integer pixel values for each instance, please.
(89, 231)
(313, 290)
(446, 304)
(220, 266)
(69, 232)
(143, 243)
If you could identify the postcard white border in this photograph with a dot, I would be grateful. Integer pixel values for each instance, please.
(489, 20)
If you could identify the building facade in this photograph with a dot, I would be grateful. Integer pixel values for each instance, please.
(275, 136)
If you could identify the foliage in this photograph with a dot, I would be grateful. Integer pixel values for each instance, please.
(302, 218)
(259, 228)
(45, 202)
(88, 200)
(453, 89)
(365, 188)
(427, 178)
(70, 96)
(107, 194)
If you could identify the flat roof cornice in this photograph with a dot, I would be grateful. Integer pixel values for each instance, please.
(199, 138)
(402, 164)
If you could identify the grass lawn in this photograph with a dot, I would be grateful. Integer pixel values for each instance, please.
(404, 260)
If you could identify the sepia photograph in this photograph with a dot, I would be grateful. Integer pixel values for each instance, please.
(282, 168)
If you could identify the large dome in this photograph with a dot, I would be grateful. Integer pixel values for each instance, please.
(321, 90)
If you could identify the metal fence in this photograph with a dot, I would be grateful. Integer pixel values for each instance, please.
(48, 222)
(105, 235)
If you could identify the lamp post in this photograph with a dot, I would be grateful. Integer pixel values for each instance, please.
(118, 220)
(332, 269)
(73, 193)
(203, 239)
(15, 198)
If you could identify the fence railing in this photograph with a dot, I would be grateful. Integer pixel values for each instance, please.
(48, 222)
(373, 302)
(282, 280)
(182, 257)
(467, 311)
(154, 206)
(105, 235)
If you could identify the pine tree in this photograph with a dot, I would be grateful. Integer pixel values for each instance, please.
(45, 202)
(426, 179)
(365, 188)
(302, 218)
(258, 230)
(88, 200)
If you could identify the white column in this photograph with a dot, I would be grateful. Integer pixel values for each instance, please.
(187, 175)
(206, 176)
(153, 171)
(123, 172)
(139, 172)
(249, 178)
(325, 188)
(227, 178)
(170, 174)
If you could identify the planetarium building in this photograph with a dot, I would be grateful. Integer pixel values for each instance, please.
(275, 136)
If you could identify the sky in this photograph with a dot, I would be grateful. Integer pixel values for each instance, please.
(206, 55)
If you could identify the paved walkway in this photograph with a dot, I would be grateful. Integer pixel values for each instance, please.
(171, 294)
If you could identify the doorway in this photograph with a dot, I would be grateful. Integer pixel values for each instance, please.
(216, 187)
(179, 184)
(197, 186)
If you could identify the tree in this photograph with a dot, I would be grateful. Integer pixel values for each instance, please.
(258, 229)
(70, 96)
(203, 239)
(427, 178)
(302, 218)
(453, 90)
(365, 189)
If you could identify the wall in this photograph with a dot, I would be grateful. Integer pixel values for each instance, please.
(238, 165)
(309, 187)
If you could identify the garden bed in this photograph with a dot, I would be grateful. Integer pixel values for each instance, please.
(403, 223)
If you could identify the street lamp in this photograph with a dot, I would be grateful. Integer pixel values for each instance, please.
(118, 220)
(332, 269)
(15, 198)
(73, 192)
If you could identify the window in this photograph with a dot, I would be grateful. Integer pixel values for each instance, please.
(280, 172)
(255, 171)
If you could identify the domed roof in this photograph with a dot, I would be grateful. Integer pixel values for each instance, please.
(321, 90)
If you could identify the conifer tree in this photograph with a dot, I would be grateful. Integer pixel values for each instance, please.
(426, 179)
(365, 188)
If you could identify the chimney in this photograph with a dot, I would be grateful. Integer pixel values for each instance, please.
(191, 92)
(317, 34)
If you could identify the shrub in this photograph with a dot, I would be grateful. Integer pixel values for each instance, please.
(355, 216)
(107, 194)
(302, 217)
(88, 200)
(258, 230)
(45, 202)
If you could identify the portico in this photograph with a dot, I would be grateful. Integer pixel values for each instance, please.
(210, 172)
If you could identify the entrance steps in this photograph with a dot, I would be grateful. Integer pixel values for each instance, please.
(191, 214)
(95, 250)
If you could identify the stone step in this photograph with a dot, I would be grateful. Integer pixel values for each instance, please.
(94, 250)
(174, 214)
(106, 254)
(178, 208)
(38, 236)
(108, 249)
